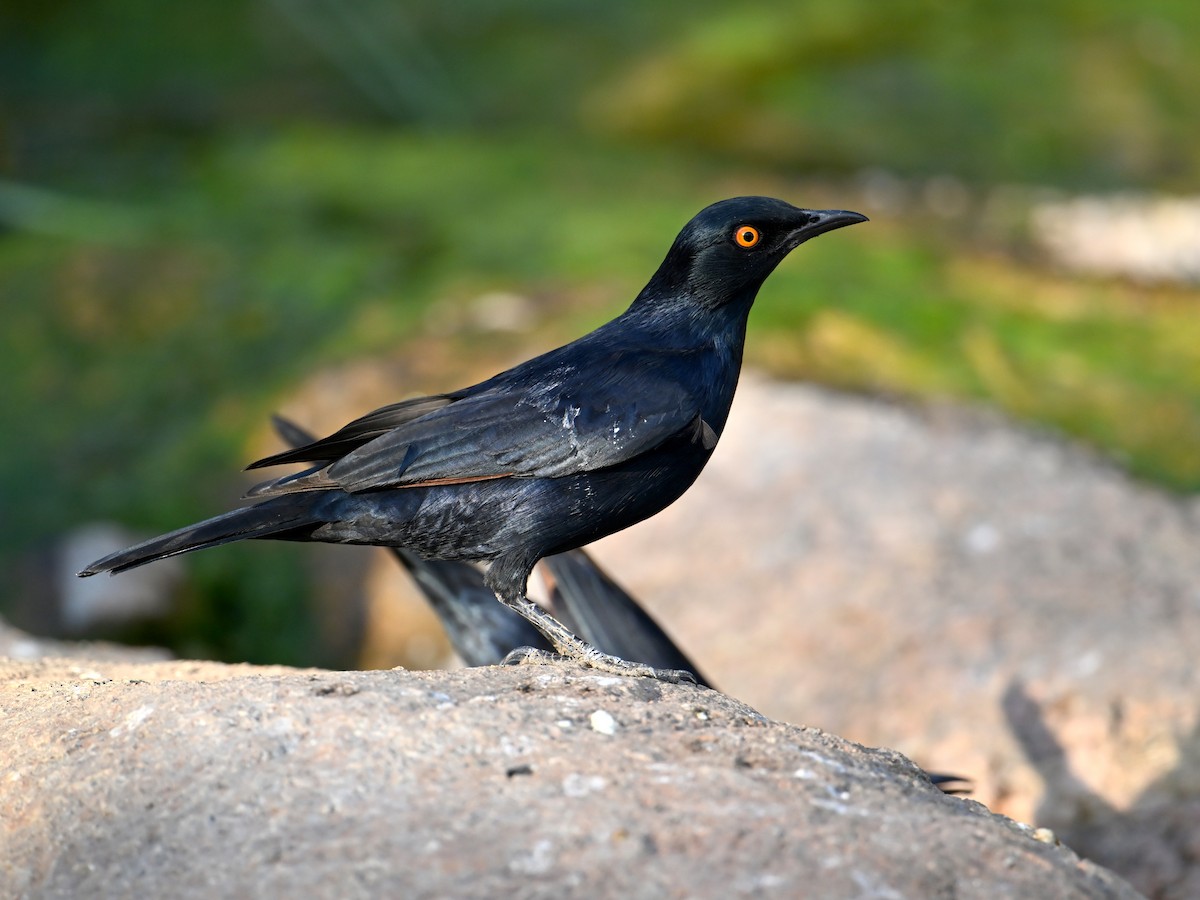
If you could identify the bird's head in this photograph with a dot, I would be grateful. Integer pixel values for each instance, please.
(727, 251)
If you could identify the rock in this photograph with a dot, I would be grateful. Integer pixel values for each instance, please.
(991, 601)
(190, 779)
(18, 645)
(1143, 237)
(45, 596)
(89, 603)
(903, 577)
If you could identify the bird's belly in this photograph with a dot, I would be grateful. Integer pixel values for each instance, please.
(600, 503)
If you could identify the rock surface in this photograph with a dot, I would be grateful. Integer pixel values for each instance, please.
(989, 601)
(191, 779)
(18, 645)
(992, 601)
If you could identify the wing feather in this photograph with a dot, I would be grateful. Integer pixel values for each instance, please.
(361, 431)
(579, 418)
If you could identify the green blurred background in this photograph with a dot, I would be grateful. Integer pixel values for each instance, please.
(203, 204)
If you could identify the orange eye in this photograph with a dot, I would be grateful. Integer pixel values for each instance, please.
(746, 235)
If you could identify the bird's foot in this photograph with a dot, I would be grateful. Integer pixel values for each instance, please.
(531, 656)
(604, 662)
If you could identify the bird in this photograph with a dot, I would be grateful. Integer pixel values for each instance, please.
(581, 595)
(552, 454)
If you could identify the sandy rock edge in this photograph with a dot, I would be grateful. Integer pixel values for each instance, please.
(128, 777)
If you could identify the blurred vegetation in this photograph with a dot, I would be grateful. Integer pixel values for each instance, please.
(201, 204)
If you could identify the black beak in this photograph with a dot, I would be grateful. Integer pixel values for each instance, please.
(823, 220)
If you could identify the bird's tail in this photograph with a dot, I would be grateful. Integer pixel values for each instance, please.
(276, 517)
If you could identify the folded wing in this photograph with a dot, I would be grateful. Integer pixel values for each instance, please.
(561, 425)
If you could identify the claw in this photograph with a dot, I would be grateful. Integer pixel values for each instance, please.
(529, 656)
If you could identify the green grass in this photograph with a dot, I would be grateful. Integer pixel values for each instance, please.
(1111, 363)
(1063, 91)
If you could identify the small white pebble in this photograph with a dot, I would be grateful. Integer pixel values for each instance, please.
(538, 861)
(1088, 664)
(25, 649)
(132, 721)
(577, 785)
(603, 722)
(982, 539)
(1045, 835)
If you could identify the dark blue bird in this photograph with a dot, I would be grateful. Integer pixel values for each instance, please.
(552, 454)
(581, 596)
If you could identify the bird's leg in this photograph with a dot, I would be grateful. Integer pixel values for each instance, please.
(564, 641)
(569, 646)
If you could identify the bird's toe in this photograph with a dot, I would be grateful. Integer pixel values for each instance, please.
(530, 656)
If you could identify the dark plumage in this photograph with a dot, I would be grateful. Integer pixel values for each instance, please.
(482, 631)
(582, 596)
(552, 454)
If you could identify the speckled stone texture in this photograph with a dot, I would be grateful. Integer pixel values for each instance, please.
(184, 780)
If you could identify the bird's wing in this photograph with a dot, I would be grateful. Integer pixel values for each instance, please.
(564, 424)
(361, 431)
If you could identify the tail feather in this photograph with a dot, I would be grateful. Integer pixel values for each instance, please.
(270, 518)
(482, 630)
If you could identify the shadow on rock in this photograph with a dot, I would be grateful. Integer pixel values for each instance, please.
(1155, 843)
